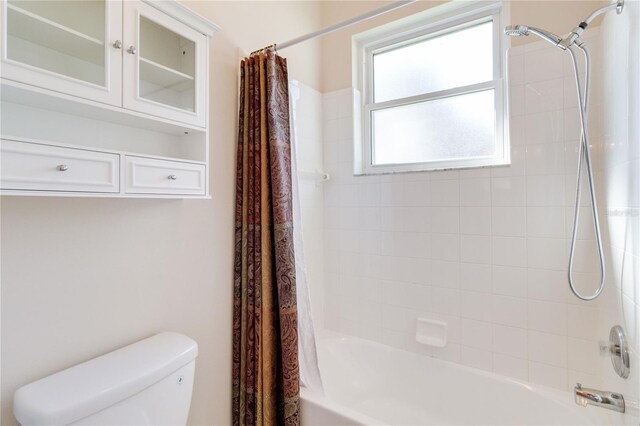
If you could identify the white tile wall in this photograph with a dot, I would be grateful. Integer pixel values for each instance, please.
(486, 249)
(619, 119)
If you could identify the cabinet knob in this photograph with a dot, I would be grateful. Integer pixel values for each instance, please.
(62, 168)
(132, 50)
(173, 177)
(117, 44)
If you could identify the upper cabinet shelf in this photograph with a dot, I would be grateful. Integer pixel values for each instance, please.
(166, 85)
(164, 76)
(107, 75)
(45, 33)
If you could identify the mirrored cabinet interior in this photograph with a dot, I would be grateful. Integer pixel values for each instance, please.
(123, 78)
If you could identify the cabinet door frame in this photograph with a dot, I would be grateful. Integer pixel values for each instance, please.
(132, 12)
(110, 93)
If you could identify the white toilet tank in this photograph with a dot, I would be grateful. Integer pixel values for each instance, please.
(146, 383)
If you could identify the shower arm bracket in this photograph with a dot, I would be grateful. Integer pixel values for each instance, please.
(576, 33)
(618, 6)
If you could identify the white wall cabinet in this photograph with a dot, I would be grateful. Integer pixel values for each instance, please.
(117, 77)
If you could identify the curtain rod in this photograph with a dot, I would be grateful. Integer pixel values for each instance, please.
(339, 26)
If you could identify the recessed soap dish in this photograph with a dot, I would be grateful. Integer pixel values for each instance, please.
(431, 332)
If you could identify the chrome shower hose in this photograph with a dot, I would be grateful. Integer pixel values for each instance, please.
(584, 157)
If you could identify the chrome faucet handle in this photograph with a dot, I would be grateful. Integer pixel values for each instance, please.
(618, 350)
(608, 348)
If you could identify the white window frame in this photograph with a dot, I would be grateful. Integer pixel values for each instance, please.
(450, 19)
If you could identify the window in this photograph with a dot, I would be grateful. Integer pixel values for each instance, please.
(432, 92)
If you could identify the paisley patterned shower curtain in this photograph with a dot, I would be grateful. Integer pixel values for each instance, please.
(265, 318)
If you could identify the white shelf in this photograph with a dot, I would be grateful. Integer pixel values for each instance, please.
(24, 94)
(100, 149)
(44, 32)
(164, 77)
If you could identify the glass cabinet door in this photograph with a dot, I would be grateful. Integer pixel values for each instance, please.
(69, 46)
(164, 66)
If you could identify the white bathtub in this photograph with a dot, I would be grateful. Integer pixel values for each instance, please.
(367, 383)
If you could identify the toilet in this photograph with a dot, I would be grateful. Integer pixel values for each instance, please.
(146, 383)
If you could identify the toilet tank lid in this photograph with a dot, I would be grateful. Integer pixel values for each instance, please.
(87, 388)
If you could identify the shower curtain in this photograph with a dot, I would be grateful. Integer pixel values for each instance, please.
(307, 353)
(265, 317)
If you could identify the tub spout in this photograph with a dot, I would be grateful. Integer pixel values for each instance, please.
(609, 400)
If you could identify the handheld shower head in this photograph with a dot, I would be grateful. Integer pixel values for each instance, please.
(573, 37)
(523, 30)
(516, 30)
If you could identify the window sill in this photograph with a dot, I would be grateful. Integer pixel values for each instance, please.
(396, 169)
